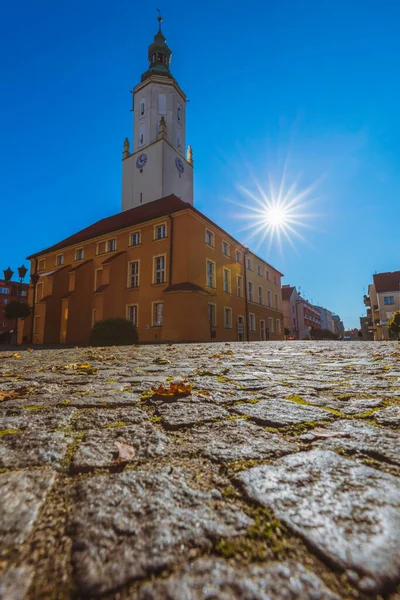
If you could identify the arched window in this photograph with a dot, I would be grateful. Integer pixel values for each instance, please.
(162, 104)
(142, 108)
(178, 112)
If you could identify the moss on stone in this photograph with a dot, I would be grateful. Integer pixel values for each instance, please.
(117, 424)
(5, 432)
(297, 399)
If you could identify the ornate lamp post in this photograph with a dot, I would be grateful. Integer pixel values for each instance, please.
(8, 273)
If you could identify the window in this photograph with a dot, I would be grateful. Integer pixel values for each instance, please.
(262, 330)
(278, 325)
(162, 104)
(79, 254)
(259, 270)
(252, 321)
(212, 315)
(141, 134)
(250, 291)
(133, 274)
(142, 107)
(132, 313)
(135, 239)
(388, 300)
(4, 290)
(268, 275)
(228, 318)
(6, 301)
(39, 292)
(226, 249)
(271, 325)
(211, 274)
(275, 282)
(111, 245)
(158, 308)
(23, 293)
(41, 265)
(276, 301)
(36, 324)
(269, 298)
(239, 286)
(4, 324)
(238, 256)
(227, 281)
(249, 264)
(209, 237)
(159, 269)
(260, 295)
(178, 112)
(98, 278)
(160, 232)
(59, 260)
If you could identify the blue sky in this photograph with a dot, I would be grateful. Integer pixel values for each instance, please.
(313, 86)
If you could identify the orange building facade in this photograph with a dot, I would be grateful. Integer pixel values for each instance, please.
(164, 266)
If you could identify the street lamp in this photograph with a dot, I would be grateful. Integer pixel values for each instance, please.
(8, 273)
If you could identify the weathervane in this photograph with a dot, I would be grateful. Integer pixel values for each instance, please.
(159, 18)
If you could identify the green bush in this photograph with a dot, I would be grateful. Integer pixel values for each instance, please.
(113, 332)
(16, 310)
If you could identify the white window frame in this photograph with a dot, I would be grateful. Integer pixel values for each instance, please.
(160, 228)
(96, 272)
(111, 244)
(76, 253)
(227, 321)
(238, 256)
(269, 298)
(249, 264)
(260, 294)
(42, 260)
(388, 298)
(259, 270)
(276, 302)
(212, 313)
(159, 271)
(227, 281)
(133, 277)
(157, 322)
(271, 324)
(252, 322)
(131, 237)
(267, 275)
(134, 308)
(278, 326)
(4, 290)
(250, 291)
(226, 248)
(211, 235)
(239, 286)
(59, 259)
(213, 274)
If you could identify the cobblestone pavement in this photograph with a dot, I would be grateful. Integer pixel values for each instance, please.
(275, 476)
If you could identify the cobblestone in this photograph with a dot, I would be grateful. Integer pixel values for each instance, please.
(275, 477)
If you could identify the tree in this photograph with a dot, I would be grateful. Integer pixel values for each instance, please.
(394, 324)
(16, 310)
(113, 332)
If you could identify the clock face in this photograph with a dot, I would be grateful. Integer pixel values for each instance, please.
(179, 165)
(141, 161)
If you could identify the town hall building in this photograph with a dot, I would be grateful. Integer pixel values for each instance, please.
(160, 262)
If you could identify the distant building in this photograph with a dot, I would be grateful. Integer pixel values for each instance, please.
(326, 319)
(338, 325)
(382, 302)
(299, 315)
(10, 291)
(367, 334)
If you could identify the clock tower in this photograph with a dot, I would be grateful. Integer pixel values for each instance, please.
(157, 164)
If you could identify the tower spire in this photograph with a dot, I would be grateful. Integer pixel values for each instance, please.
(159, 19)
(159, 54)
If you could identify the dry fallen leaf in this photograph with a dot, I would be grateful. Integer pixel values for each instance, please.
(11, 395)
(125, 453)
(16, 355)
(180, 388)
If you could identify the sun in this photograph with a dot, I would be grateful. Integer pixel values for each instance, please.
(275, 214)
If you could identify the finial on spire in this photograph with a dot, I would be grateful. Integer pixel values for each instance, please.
(159, 18)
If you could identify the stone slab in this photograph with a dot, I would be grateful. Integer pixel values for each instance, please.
(381, 444)
(388, 416)
(43, 419)
(128, 525)
(185, 414)
(281, 413)
(108, 417)
(98, 448)
(237, 440)
(213, 578)
(348, 512)
(34, 448)
(15, 582)
(22, 494)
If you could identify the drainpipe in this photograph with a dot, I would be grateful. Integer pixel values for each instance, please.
(245, 295)
(34, 279)
(171, 248)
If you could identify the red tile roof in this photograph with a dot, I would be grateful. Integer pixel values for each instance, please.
(387, 282)
(287, 291)
(133, 216)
